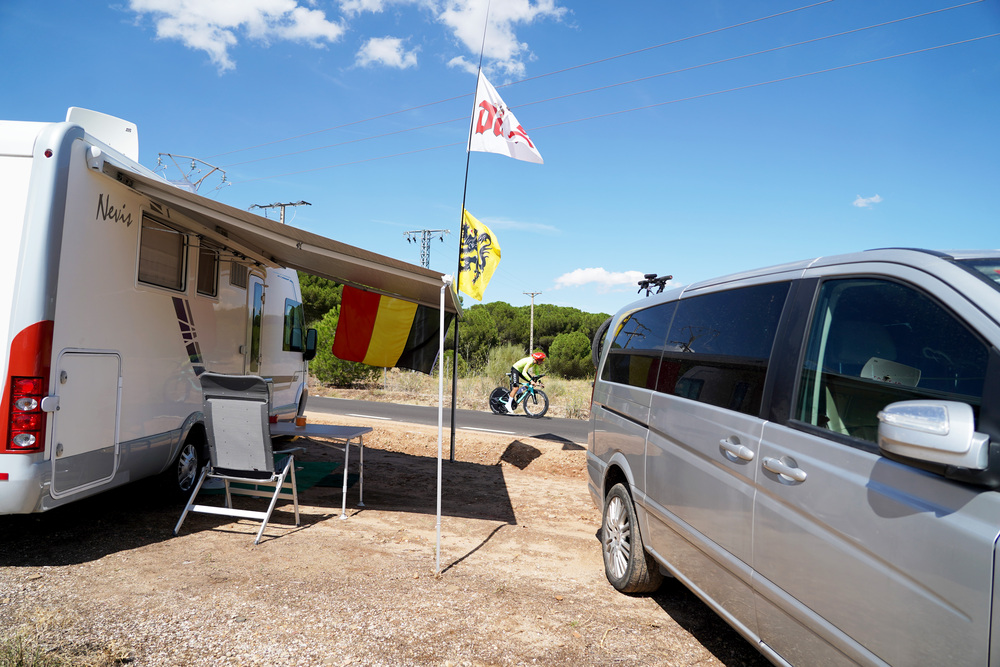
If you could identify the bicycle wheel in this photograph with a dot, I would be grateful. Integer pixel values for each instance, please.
(496, 396)
(536, 404)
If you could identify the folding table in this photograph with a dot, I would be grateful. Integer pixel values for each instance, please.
(345, 434)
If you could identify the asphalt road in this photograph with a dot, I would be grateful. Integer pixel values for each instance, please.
(572, 431)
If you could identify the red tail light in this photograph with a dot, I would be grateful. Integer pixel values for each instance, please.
(26, 426)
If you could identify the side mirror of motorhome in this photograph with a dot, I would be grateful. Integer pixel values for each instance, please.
(312, 342)
(933, 431)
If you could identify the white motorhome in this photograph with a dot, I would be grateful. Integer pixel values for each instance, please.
(112, 302)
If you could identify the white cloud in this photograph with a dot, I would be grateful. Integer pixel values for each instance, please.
(386, 51)
(604, 279)
(355, 7)
(215, 26)
(866, 202)
(503, 52)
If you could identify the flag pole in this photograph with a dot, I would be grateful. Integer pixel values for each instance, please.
(461, 224)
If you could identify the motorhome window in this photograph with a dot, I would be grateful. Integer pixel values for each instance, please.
(292, 340)
(636, 346)
(239, 274)
(874, 342)
(719, 345)
(161, 255)
(208, 270)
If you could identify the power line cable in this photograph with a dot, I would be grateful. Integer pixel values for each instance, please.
(645, 107)
(765, 83)
(612, 85)
(540, 76)
(750, 55)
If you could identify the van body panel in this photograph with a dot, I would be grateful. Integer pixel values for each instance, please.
(864, 539)
(698, 489)
(789, 520)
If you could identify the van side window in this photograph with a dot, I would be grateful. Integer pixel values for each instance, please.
(161, 255)
(294, 326)
(636, 346)
(719, 344)
(874, 342)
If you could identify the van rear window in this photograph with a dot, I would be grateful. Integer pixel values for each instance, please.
(711, 348)
(987, 269)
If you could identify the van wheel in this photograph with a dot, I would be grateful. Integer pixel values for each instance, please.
(626, 564)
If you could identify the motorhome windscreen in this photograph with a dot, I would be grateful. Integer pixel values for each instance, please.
(987, 269)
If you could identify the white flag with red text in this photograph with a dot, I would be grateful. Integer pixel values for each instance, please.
(494, 128)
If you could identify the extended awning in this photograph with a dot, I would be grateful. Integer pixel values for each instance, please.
(274, 244)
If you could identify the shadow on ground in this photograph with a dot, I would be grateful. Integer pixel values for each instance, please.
(137, 514)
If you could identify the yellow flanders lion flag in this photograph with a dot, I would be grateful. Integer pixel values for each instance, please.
(479, 256)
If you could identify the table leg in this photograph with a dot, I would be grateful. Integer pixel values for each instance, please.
(361, 470)
(343, 507)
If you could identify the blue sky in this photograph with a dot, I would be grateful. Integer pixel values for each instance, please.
(658, 157)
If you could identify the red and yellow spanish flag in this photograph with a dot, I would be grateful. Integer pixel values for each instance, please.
(379, 330)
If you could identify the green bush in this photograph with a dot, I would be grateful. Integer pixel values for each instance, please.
(330, 370)
(569, 355)
(449, 363)
(499, 361)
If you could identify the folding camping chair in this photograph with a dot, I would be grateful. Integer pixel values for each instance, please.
(239, 442)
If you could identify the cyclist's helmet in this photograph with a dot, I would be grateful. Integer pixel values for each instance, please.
(539, 357)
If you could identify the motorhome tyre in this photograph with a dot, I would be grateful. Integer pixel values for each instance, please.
(181, 477)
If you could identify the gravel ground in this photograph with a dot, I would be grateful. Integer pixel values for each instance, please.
(521, 579)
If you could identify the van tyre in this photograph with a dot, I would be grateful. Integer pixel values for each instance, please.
(626, 564)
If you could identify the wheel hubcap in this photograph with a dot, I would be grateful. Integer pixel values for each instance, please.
(187, 467)
(617, 538)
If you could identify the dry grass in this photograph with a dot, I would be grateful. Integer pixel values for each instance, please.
(45, 644)
(567, 398)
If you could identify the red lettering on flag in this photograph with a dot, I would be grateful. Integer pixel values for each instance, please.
(485, 120)
(520, 132)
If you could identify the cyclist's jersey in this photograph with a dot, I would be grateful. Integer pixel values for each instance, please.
(526, 367)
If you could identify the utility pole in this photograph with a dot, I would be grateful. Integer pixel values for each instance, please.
(531, 341)
(281, 206)
(425, 242)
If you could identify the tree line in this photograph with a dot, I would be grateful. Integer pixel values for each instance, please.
(562, 332)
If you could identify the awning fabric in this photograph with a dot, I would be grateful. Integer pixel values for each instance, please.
(274, 244)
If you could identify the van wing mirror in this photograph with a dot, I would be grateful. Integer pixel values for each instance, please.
(935, 432)
(312, 343)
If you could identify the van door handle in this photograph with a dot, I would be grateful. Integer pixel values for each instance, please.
(737, 450)
(785, 467)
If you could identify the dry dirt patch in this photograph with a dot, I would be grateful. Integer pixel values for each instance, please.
(521, 583)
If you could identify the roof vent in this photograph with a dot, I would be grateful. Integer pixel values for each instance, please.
(120, 134)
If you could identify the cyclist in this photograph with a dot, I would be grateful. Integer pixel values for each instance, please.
(523, 371)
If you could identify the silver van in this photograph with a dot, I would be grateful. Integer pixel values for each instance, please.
(814, 450)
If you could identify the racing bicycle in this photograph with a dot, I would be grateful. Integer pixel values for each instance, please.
(531, 398)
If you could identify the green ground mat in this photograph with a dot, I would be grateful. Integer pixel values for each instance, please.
(307, 475)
